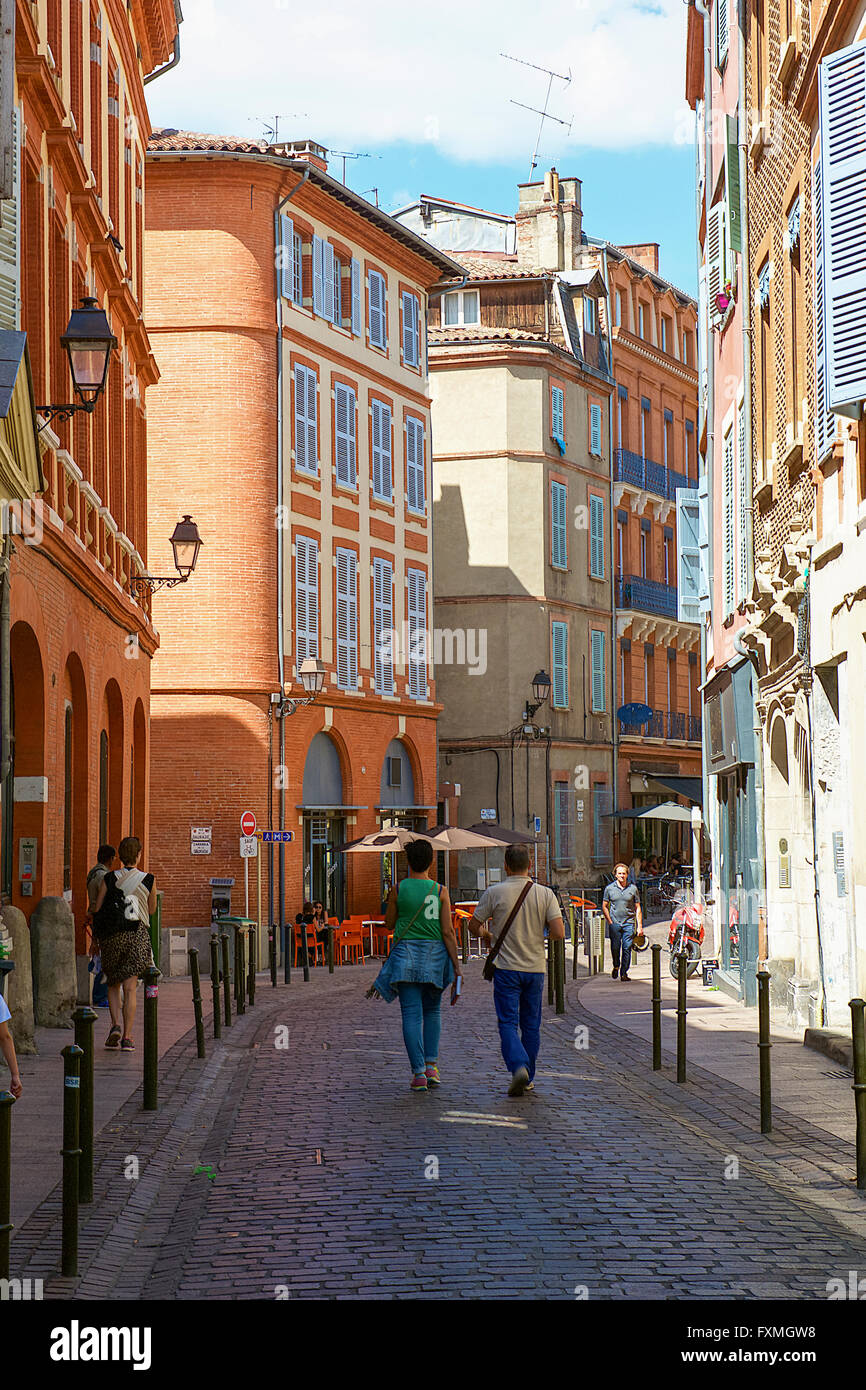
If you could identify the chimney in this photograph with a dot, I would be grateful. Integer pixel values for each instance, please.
(549, 223)
(646, 253)
(314, 154)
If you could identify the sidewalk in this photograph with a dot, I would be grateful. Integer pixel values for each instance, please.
(722, 1038)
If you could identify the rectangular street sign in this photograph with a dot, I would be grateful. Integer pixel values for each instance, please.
(201, 832)
(538, 825)
(275, 837)
(488, 813)
(199, 847)
(249, 847)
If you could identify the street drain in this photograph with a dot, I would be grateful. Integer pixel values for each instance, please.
(840, 1075)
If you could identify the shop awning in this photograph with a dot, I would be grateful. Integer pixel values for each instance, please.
(681, 786)
(20, 462)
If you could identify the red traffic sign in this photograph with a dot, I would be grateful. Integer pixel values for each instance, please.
(248, 823)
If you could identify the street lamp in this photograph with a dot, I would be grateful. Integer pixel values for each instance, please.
(185, 543)
(312, 674)
(540, 693)
(88, 343)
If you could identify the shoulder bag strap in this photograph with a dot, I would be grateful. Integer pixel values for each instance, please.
(511, 916)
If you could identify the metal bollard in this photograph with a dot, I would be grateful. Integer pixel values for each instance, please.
(215, 983)
(331, 931)
(71, 1154)
(657, 1005)
(7, 1100)
(764, 1046)
(272, 954)
(464, 939)
(858, 1034)
(253, 965)
(240, 972)
(84, 1018)
(682, 963)
(196, 1000)
(150, 1100)
(559, 966)
(573, 943)
(227, 996)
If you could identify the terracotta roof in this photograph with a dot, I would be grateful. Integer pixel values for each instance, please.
(476, 333)
(496, 267)
(169, 139)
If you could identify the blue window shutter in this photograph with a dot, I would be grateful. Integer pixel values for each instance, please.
(381, 462)
(378, 310)
(344, 434)
(287, 257)
(312, 422)
(306, 599)
(559, 639)
(356, 298)
(318, 277)
(597, 682)
(689, 557)
(825, 425)
(415, 491)
(843, 158)
(416, 587)
(558, 526)
(595, 430)
(383, 626)
(557, 417)
(306, 434)
(376, 447)
(728, 496)
(347, 619)
(328, 281)
(410, 330)
(596, 537)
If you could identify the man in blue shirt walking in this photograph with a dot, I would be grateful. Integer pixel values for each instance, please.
(621, 907)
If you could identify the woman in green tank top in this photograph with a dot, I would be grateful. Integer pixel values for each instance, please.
(422, 962)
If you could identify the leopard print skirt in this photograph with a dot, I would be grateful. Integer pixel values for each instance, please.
(125, 955)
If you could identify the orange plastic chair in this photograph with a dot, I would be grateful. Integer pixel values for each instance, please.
(353, 945)
(315, 948)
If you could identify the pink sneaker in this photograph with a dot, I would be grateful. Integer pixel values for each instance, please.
(418, 1083)
(433, 1077)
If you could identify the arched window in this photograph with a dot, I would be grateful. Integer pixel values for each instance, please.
(103, 787)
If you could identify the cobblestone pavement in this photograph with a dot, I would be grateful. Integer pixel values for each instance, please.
(332, 1180)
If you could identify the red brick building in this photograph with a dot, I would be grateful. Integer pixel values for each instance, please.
(292, 422)
(81, 641)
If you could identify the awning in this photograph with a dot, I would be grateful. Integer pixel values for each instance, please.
(681, 786)
(20, 462)
(667, 811)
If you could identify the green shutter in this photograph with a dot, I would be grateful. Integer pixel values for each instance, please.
(597, 667)
(735, 235)
(596, 537)
(558, 528)
(560, 665)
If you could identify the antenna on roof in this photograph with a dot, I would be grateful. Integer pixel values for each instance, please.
(375, 193)
(543, 113)
(271, 124)
(350, 154)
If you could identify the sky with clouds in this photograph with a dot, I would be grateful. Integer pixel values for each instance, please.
(429, 94)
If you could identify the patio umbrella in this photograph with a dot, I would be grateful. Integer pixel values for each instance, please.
(390, 841)
(456, 838)
(497, 832)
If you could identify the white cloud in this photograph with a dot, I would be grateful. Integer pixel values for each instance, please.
(357, 75)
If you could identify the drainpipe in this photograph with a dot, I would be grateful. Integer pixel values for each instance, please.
(614, 722)
(281, 653)
(746, 291)
(5, 664)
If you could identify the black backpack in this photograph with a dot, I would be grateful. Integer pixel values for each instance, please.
(118, 912)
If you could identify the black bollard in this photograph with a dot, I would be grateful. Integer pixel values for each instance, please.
(150, 1087)
(464, 939)
(559, 966)
(7, 1100)
(272, 954)
(764, 1046)
(215, 983)
(331, 931)
(196, 1000)
(227, 996)
(71, 1154)
(573, 943)
(84, 1018)
(858, 1034)
(682, 964)
(657, 1005)
(253, 965)
(240, 972)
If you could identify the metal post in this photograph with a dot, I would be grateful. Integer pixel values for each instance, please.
(464, 939)
(272, 953)
(331, 950)
(215, 983)
(151, 1039)
(559, 963)
(240, 974)
(657, 1005)
(84, 1018)
(227, 997)
(764, 1046)
(196, 1000)
(71, 1154)
(858, 1034)
(573, 941)
(7, 1100)
(682, 963)
(253, 966)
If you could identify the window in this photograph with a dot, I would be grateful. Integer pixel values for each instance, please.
(383, 626)
(411, 330)
(602, 843)
(563, 825)
(621, 531)
(668, 442)
(767, 392)
(618, 309)
(649, 677)
(641, 321)
(597, 672)
(290, 261)
(297, 294)
(306, 421)
(462, 306)
(306, 599)
(383, 480)
(416, 586)
(644, 425)
(559, 642)
(558, 526)
(690, 447)
(667, 335)
(596, 536)
(415, 491)
(717, 257)
(378, 310)
(668, 555)
(356, 297)
(588, 314)
(689, 580)
(687, 356)
(338, 292)
(621, 415)
(595, 430)
(347, 619)
(345, 444)
(672, 679)
(643, 554)
(103, 787)
(557, 417)
(728, 496)
(795, 309)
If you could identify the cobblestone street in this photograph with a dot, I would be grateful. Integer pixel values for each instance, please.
(330, 1179)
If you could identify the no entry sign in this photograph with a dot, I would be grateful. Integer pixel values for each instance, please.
(248, 823)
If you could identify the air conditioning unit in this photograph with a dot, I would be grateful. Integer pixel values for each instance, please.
(395, 772)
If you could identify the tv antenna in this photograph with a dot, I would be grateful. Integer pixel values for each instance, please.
(539, 111)
(350, 154)
(271, 124)
(375, 193)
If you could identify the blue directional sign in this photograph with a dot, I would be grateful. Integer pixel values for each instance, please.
(276, 837)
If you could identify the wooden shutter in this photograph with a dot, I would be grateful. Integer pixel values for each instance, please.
(722, 35)
(557, 413)
(383, 626)
(312, 422)
(328, 281)
(306, 599)
(843, 159)
(381, 461)
(596, 537)
(597, 670)
(689, 556)
(717, 272)
(319, 277)
(559, 641)
(10, 239)
(825, 421)
(410, 330)
(558, 525)
(595, 430)
(347, 619)
(744, 518)
(416, 584)
(728, 524)
(356, 298)
(301, 418)
(287, 256)
(344, 434)
(415, 491)
(378, 310)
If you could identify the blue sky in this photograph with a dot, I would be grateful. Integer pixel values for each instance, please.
(430, 92)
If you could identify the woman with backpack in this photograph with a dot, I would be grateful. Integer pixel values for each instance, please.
(422, 962)
(120, 922)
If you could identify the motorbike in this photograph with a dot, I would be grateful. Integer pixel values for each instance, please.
(686, 934)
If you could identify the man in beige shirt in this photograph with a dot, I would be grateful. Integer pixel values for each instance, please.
(518, 984)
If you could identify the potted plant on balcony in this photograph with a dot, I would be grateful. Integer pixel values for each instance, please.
(724, 297)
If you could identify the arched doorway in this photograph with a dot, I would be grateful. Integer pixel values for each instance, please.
(75, 792)
(25, 788)
(324, 826)
(397, 806)
(111, 766)
(137, 774)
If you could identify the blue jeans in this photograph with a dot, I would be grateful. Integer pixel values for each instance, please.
(621, 937)
(517, 996)
(422, 1023)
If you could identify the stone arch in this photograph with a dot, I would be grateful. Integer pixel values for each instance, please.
(323, 771)
(402, 793)
(778, 747)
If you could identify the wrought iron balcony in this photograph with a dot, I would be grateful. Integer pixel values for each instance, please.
(641, 472)
(633, 591)
(666, 724)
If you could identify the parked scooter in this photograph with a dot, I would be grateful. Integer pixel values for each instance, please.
(686, 934)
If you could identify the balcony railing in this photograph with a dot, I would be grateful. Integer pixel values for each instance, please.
(681, 728)
(633, 591)
(643, 473)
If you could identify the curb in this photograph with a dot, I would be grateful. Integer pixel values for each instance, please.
(839, 1047)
